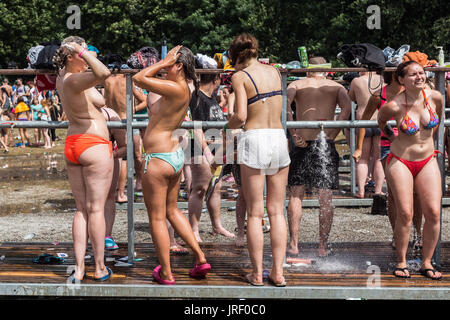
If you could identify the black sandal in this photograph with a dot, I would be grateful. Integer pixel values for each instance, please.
(404, 271)
(424, 272)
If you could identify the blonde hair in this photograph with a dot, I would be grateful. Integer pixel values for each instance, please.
(60, 57)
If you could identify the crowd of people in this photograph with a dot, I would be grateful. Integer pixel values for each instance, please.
(24, 102)
(267, 163)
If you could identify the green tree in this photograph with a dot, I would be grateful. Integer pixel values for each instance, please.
(208, 26)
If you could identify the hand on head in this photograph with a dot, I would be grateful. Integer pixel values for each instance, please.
(73, 47)
(172, 56)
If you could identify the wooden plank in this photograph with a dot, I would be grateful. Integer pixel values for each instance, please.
(230, 265)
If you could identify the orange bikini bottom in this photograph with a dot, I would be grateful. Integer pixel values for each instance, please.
(76, 144)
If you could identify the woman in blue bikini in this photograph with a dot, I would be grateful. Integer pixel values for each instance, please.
(164, 158)
(411, 165)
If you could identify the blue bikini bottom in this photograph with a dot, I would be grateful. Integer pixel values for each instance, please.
(175, 159)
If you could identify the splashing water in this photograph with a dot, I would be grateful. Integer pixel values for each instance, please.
(322, 150)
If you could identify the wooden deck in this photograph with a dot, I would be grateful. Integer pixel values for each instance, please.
(352, 270)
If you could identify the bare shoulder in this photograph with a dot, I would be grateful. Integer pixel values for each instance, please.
(238, 75)
(335, 84)
(435, 95)
(394, 105)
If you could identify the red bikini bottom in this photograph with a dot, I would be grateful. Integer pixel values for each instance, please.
(413, 166)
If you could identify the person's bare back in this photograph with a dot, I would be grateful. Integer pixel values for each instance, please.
(316, 99)
(359, 92)
(115, 94)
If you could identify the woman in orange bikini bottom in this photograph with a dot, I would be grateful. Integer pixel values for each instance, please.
(76, 144)
(414, 166)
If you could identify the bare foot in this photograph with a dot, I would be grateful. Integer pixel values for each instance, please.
(240, 241)
(78, 273)
(100, 273)
(325, 252)
(121, 198)
(277, 280)
(197, 237)
(292, 251)
(222, 232)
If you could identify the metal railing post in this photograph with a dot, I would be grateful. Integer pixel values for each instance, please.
(440, 85)
(352, 150)
(130, 168)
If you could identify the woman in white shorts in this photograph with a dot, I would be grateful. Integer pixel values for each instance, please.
(262, 153)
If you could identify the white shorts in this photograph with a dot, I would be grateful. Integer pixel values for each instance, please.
(264, 149)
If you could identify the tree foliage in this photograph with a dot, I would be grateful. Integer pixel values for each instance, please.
(208, 26)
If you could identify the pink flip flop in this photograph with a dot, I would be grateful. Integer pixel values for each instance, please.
(158, 278)
(200, 270)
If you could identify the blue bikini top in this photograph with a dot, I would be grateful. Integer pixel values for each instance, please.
(260, 96)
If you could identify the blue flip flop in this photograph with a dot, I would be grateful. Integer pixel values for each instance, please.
(105, 277)
(73, 279)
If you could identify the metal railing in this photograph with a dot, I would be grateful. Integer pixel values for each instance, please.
(129, 124)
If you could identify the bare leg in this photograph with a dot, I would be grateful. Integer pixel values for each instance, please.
(362, 167)
(417, 217)
(428, 185)
(121, 196)
(276, 187)
(187, 171)
(80, 219)
(138, 160)
(213, 205)
(155, 184)
(378, 171)
(326, 213)
(179, 221)
(401, 184)
(90, 183)
(294, 211)
(253, 186)
(110, 206)
(201, 176)
(240, 218)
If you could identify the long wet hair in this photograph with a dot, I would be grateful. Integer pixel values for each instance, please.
(60, 57)
(187, 59)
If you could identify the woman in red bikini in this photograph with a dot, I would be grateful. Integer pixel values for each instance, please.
(376, 101)
(411, 163)
(88, 149)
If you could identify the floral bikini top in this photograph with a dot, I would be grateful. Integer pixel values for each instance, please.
(409, 127)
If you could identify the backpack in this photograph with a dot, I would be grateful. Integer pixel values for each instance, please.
(33, 54)
(362, 55)
(143, 58)
(112, 61)
(45, 56)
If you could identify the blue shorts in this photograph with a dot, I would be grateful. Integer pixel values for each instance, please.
(384, 151)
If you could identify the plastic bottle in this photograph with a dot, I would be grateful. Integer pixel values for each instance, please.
(164, 48)
(441, 58)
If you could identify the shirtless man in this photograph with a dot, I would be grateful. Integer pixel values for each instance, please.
(359, 93)
(115, 96)
(316, 98)
(8, 88)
